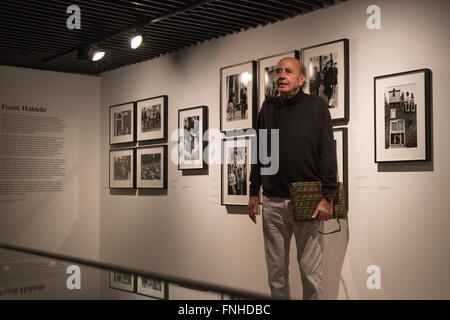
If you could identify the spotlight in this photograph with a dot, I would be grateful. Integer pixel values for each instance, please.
(97, 55)
(136, 40)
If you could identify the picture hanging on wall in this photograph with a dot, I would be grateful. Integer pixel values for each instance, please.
(402, 116)
(121, 168)
(153, 288)
(192, 124)
(121, 123)
(236, 166)
(238, 96)
(151, 167)
(266, 75)
(152, 119)
(327, 76)
(122, 281)
(341, 147)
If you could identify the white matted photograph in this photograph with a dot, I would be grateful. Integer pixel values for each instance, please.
(152, 118)
(121, 123)
(121, 168)
(402, 116)
(151, 287)
(122, 281)
(151, 167)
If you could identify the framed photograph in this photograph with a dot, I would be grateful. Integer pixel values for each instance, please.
(341, 147)
(122, 281)
(236, 166)
(266, 75)
(121, 123)
(327, 76)
(151, 167)
(402, 116)
(153, 288)
(238, 96)
(121, 168)
(152, 119)
(192, 124)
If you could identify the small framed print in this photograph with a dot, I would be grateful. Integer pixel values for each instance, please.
(341, 147)
(152, 119)
(236, 166)
(402, 116)
(327, 76)
(151, 167)
(192, 124)
(122, 281)
(266, 75)
(121, 168)
(121, 123)
(238, 96)
(153, 288)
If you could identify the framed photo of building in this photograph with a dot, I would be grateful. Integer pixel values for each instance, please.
(122, 281)
(192, 124)
(266, 75)
(152, 119)
(153, 288)
(327, 76)
(121, 168)
(151, 167)
(341, 146)
(238, 96)
(402, 116)
(236, 166)
(121, 123)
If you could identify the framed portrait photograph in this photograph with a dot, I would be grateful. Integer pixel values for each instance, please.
(238, 96)
(192, 124)
(152, 119)
(122, 281)
(341, 147)
(153, 288)
(236, 166)
(266, 75)
(402, 116)
(121, 123)
(327, 76)
(151, 167)
(121, 168)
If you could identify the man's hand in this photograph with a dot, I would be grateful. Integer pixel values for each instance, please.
(324, 210)
(253, 203)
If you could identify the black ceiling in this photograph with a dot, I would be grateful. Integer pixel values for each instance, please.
(34, 32)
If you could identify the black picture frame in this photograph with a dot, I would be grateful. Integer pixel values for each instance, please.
(243, 76)
(154, 107)
(122, 123)
(153, 293)
(327, 82)
(122, 287)
(270, 62)
(118, 178)
(402, 117)
(147, 180)
(199, 163)
(341, 145)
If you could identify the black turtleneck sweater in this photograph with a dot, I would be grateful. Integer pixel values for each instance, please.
(306, 145)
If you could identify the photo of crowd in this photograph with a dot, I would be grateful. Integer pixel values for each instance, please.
(151, 166)
(323, 77)
(151, 118)
(122, 167)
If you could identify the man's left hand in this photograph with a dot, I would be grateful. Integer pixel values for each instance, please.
(324, 210)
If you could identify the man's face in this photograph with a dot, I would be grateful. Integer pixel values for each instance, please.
(288, 77)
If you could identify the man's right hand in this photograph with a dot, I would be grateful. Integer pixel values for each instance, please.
(253, 203)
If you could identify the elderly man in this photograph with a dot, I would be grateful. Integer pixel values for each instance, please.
(306, 153)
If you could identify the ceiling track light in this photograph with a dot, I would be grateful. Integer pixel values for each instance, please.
(97, 54)
(136, 40)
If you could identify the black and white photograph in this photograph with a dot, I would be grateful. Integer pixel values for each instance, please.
(327, 76)
(122, 281)
(151, 167)
(151, 287)
(121, 123)
(192, 124)
(152, 119)
(121, 168)
(238, 96)
(341, 147)
(401, 116)
(236, 166)
(267, 71)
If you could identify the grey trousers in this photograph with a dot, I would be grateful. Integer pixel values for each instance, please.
(278, 227)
